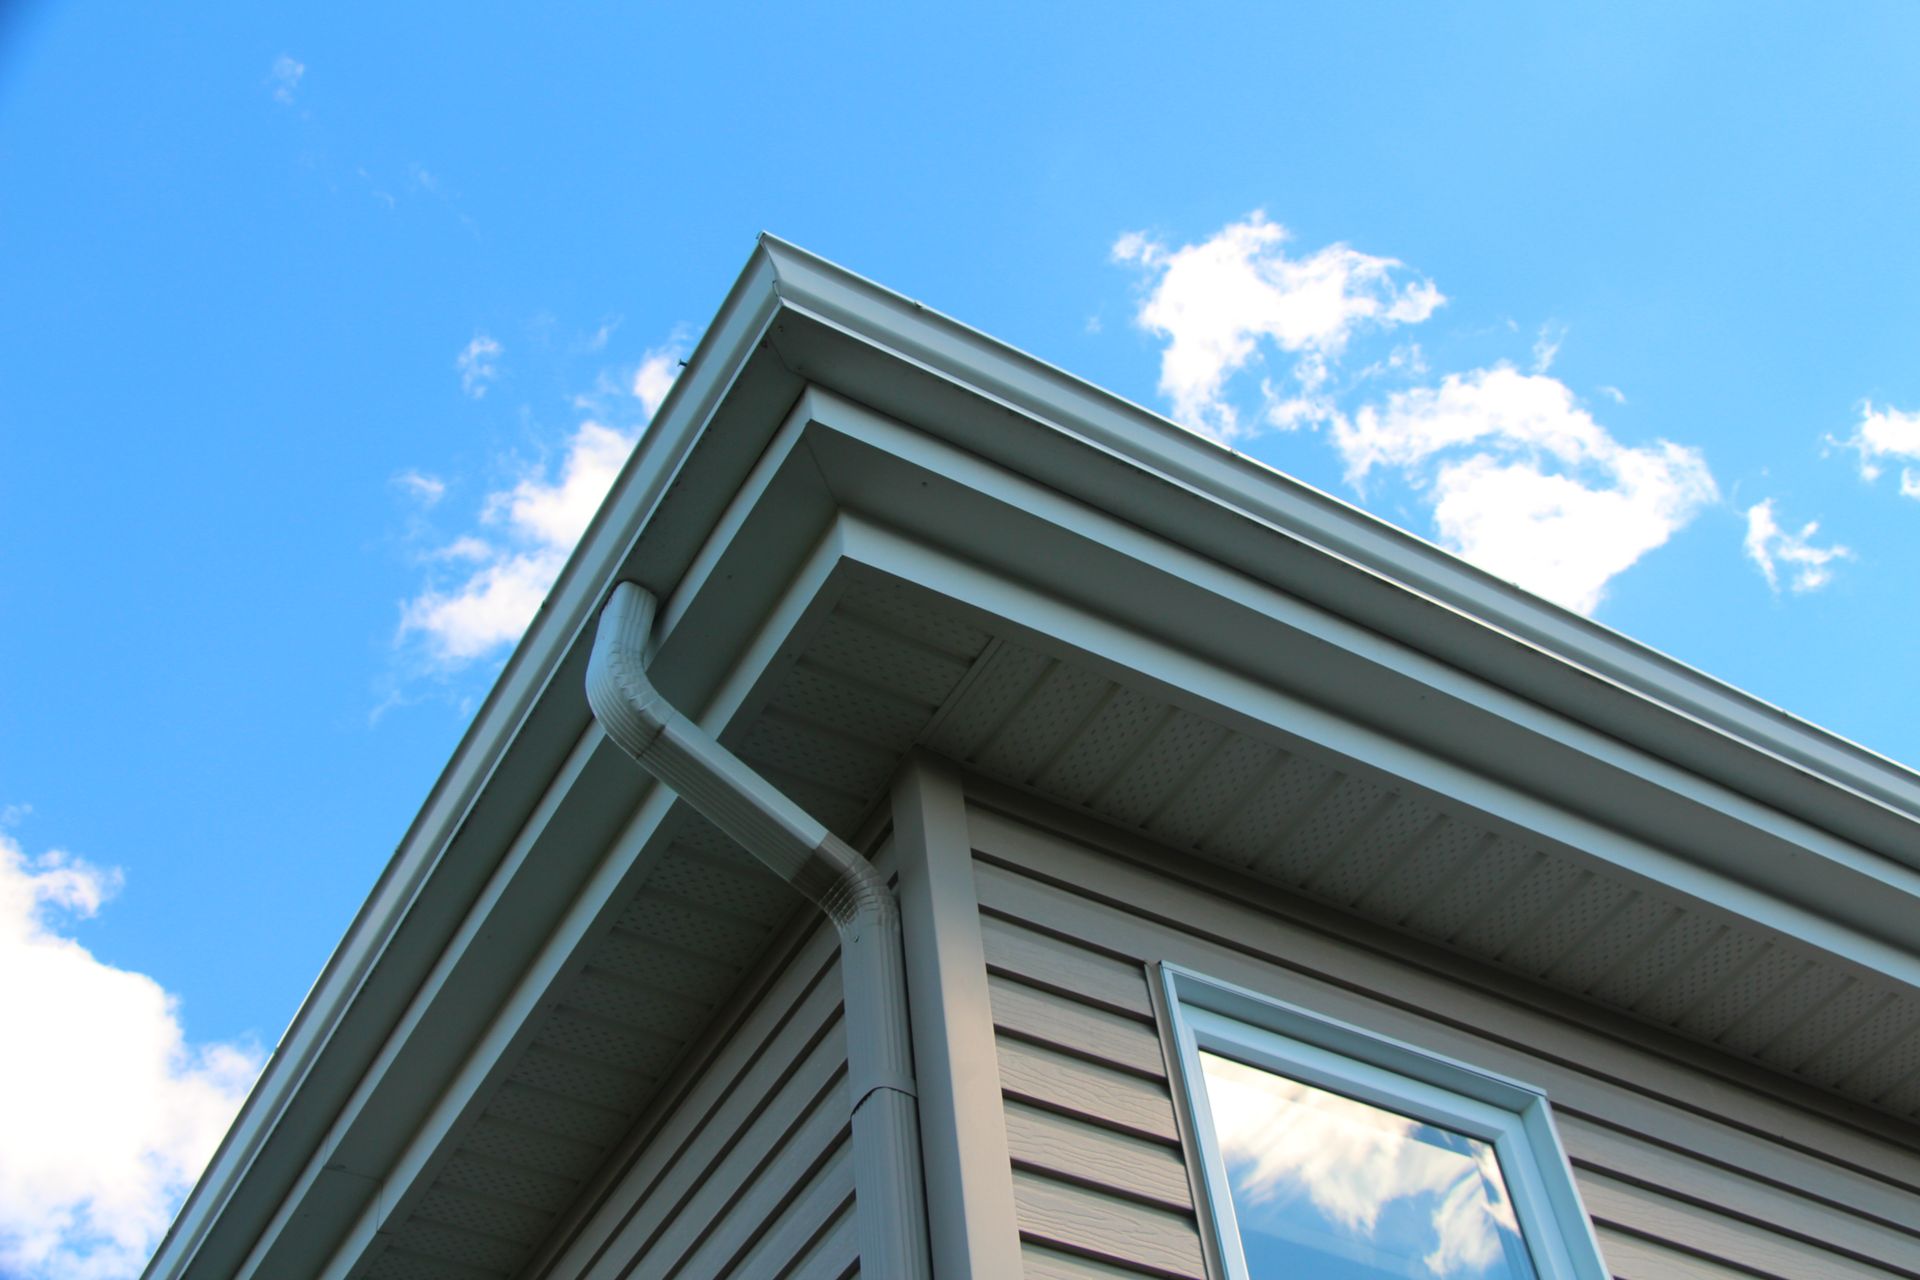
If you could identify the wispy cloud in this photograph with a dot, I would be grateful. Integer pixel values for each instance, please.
(1546, 346)
(1218, 301)
(1305, 1160)
(110, 1114)
(338, 160)
(597, 340)
(478, 365)
(422, 488)
(1772, 549)
(1523, 481)
(285, 76)
(1886, 437)
(491, 579)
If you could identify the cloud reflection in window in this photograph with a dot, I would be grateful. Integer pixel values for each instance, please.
(1354, 1191)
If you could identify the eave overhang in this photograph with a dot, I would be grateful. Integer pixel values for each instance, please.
(781, 461)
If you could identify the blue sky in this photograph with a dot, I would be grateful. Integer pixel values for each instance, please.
(320, 329)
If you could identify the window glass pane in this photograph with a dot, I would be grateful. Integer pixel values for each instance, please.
(1332, 1188)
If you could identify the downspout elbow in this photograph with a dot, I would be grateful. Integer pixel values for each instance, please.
(766, 822)
(623, 699)
(797, 847)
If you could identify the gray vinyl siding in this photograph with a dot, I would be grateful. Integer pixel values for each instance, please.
(1098, 1174)
(746, 1171)
(1687, 1171)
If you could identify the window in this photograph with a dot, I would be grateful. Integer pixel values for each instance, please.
(1333, 1153)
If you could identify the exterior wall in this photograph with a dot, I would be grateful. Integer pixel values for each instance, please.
(746, 1168)
(1688, 1170)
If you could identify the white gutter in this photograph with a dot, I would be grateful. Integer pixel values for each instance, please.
(889, 1197)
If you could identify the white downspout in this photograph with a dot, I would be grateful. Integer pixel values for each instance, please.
(889, 1197)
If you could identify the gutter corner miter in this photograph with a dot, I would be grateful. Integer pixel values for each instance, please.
(889, 1197)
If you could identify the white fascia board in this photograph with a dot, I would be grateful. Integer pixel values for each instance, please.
(897, 356)
(994, 541)
(1850, 914)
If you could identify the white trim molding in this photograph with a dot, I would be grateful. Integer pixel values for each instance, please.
(1325, 1054)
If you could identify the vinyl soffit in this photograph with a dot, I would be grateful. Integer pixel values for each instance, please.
(893, 666)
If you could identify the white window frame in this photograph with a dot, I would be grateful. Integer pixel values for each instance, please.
(1340, 1058)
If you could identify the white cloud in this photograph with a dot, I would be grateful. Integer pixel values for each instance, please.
(1518, 475)
(1215, 302)
(476, 363)
(1559, 537)
(493, 579)
(1525, 483)
(108, 1113)
(1546, 346)
(467, 548)
(424, 489)
(285, 78)
(1499, 404)
(553, 514)
(654, 378)
(1887, 436)
(538, 520)
(488, 609)
(1770, 547)
(1285, 1142)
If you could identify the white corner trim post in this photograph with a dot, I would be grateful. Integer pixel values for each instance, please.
(889, 1197)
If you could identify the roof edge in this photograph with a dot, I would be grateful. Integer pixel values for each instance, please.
(1037, 389)
(338, 1031)
(341, 1025)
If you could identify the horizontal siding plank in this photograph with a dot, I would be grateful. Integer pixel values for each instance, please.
(1578, 1097)
(834, 1256)
(1696, 1187)
(1051, 1019)
(1591, 1073)
(1103, 1226)
(809, 1108)
(1598, 1148)
(1629, 1257)
(742, 1209)
(660, 1205)
(785, 1243)
(1048, 1078)
(1699, 1232)
(1041, 1263)
(716, 1101)
(1095, 979)
(1052, 1143)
